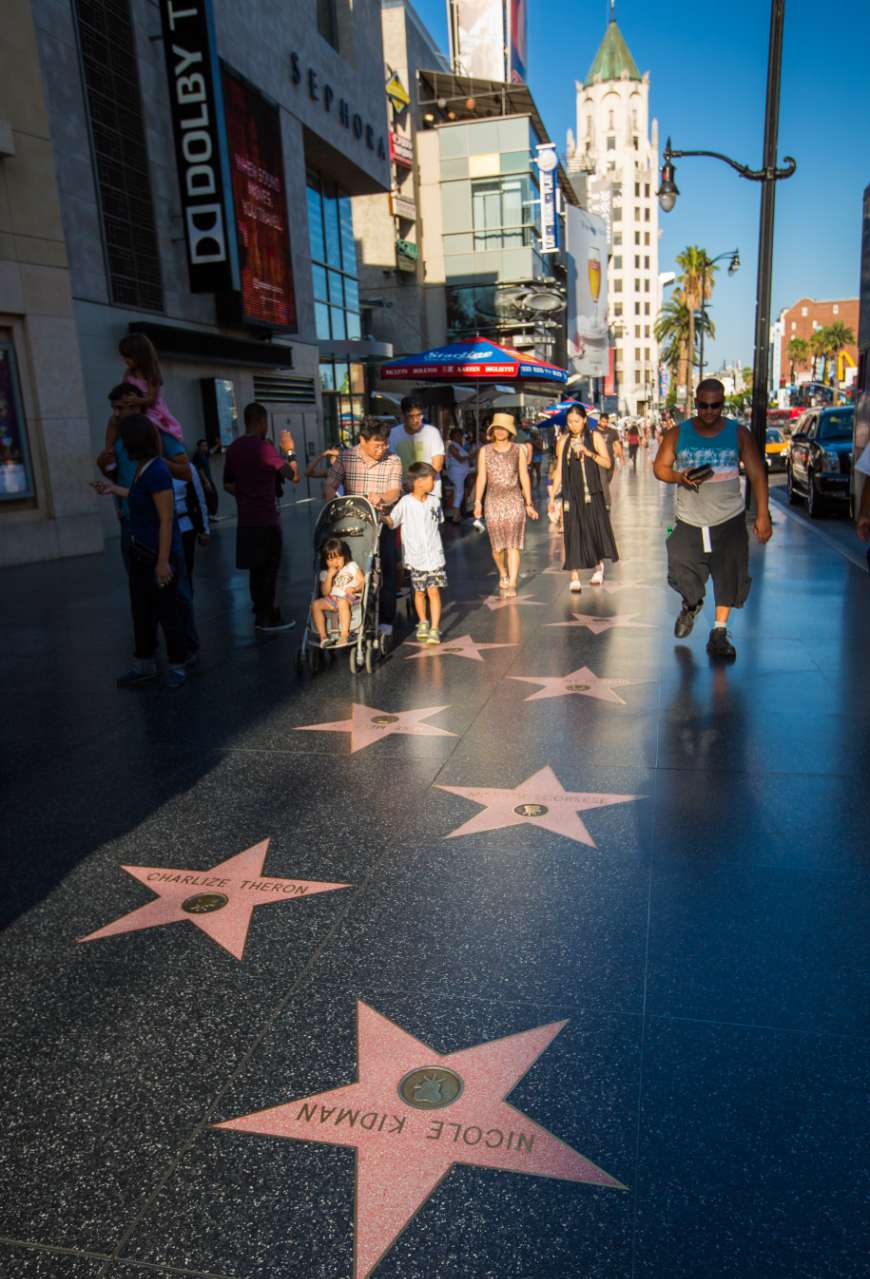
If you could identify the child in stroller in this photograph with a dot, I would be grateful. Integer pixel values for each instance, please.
(341, 586)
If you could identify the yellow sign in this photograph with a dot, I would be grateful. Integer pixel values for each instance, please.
(397, 93)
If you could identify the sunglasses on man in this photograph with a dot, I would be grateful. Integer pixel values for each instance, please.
(709, 404)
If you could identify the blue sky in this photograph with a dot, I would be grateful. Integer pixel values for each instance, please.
(708, 70)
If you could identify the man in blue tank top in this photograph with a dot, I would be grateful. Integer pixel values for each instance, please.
(709, 537)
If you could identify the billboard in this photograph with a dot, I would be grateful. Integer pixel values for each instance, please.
(518, 43)
(586, 245)
(257, 170)
(477, 38)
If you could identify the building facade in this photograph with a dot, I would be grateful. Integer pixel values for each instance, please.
(616, 147)
(206, 193)
(46, 507)
(389, 228)
(802, 320)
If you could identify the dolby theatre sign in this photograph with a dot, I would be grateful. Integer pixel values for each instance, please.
(192, 69)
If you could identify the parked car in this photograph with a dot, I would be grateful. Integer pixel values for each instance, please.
(820, 459)
(775, 449)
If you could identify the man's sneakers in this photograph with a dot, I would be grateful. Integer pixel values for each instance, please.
(433, 635)
(423, 630)
(274, 622)
(686, 620)
(719, 644)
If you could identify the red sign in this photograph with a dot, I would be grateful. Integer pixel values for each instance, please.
(257, 170)
(452, 371)
(401, 150)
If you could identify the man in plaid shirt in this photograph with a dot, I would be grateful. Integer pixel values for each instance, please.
(370, 470)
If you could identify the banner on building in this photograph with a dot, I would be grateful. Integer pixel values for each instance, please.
(518, 43)
(478, 38)
(257, 168)
(548, 165)
(401, 149)
(586, 252)
(193, 72)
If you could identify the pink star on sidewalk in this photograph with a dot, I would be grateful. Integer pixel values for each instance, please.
(581, 682)
(597, 625)
(219, 901)
(495, 602)
(540, 800)
(463, 646)
(413, 1113)
(367, 725)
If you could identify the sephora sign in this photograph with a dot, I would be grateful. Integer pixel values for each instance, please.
(190, 51)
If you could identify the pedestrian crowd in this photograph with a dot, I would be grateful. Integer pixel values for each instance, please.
(166, 503)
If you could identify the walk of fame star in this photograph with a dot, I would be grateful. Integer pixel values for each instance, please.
(581, 682)
(367, 725)
(463, 646)
(597, 625)
(413, 1113)
(495, 602)
(219, 901)
(540, 800)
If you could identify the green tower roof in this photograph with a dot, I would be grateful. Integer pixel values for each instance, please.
(613, 57)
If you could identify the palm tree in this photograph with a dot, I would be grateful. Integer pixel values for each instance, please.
(696, 281)
(819, 345)
(839, 337)
(798, 351)
(677, 334)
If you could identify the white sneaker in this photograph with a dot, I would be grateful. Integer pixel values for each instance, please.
(576, 585)
(597, 577)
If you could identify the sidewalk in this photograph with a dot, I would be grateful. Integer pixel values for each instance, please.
(581, 989)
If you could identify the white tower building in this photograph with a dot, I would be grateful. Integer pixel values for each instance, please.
(618, 151)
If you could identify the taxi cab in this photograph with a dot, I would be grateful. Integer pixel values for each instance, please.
(775, 449)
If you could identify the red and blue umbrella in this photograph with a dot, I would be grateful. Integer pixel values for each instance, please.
(473, 360)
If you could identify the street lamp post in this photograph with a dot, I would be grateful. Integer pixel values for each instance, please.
(733, 268)
(768, 176)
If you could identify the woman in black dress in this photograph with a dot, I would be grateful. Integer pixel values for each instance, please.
(581, 455)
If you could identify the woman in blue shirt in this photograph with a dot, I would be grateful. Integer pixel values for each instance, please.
(155, 550)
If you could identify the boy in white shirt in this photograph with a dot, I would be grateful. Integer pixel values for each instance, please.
(419, 516)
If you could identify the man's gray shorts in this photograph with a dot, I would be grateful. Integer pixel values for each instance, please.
(720, 552)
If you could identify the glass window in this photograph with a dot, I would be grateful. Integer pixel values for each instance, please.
(617, 213)
(502, 213)
(318, 276)
(646, 263)
(637, 190)
(617, 310)
(315, 224)
(16, 475)
(617, 237)
(330, 223)
(646, 308)
(646, 237)
(334, 261)
(336, 290)
(321, 319)
(836, 426)
(348, 244)
(646, 189)
(617, 286)
(617, 264)
(611, 142)
(646, 215)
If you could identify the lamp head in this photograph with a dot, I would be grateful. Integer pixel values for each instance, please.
(734, 264)
(667, 192)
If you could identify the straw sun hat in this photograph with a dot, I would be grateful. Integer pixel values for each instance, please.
(505, 421)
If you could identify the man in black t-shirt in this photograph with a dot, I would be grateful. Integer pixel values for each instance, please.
(615, 450)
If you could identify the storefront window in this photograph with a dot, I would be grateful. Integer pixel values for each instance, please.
(334, 263)
(342, 384)
(16, 475)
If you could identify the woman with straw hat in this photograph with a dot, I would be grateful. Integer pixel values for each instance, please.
(503, 474)
(581, 457)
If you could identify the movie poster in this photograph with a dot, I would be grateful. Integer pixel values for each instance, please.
(257, 170)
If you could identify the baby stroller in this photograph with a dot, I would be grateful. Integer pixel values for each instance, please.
(355, 521)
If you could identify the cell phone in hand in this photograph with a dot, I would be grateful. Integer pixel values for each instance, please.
(699, 473)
